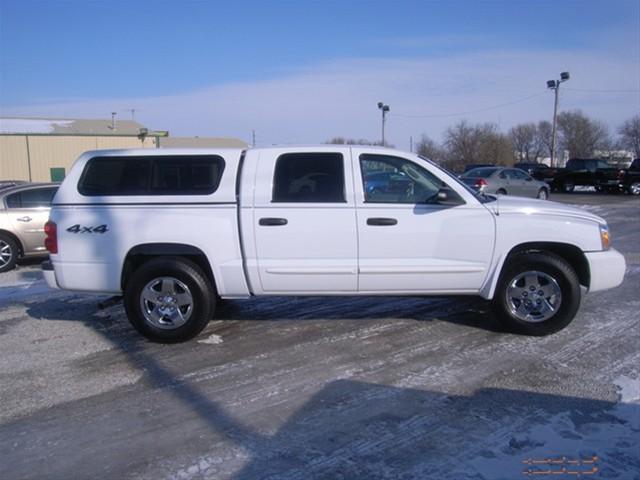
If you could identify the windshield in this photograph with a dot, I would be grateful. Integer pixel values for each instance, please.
(482, 197)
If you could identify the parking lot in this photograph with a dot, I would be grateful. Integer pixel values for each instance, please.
(327, 388)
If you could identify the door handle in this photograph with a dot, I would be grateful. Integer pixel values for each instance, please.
(272, 222)
(24, 219)
(382, 222)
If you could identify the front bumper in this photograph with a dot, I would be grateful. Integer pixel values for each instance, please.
(49, 274)
(607, 269)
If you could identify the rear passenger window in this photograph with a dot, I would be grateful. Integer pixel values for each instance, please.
(148, 175)
(309, 178)
(36, 198)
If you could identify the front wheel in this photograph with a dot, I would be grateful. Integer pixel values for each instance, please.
(169, 300)
(538, 294)
(634, 188)
(501, 191)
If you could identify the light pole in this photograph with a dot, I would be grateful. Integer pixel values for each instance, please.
(385, 109)
(555, 86)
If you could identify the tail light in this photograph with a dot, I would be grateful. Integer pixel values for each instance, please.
(481, 183)
(621, 174)
(51, 240)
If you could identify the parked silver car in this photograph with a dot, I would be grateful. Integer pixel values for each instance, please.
(24, 209)
(505, 181)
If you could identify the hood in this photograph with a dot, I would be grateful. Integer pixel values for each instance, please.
(507, 205)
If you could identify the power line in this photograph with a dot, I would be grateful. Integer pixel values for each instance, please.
(601, 91)
(493, 107)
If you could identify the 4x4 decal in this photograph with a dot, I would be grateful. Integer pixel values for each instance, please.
(82, 229)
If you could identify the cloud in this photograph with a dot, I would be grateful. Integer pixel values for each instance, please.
(339, 98)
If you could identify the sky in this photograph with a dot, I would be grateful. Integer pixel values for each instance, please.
(306, 71)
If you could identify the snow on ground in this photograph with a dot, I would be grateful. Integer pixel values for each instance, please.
(30, 125)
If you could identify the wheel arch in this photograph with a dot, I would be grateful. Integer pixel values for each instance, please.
(142, 253)
(572, 254)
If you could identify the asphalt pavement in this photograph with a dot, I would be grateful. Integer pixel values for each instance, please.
(323, 388)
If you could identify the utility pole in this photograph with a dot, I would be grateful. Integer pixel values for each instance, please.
(384, 109)
(411, 144)
(253, 138)
(555, 86)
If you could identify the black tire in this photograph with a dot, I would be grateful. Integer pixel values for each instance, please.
(501, 191)
(634, 188)
(568, 186)
(9, 253)
(552, 266)
(184, 273)
(543, 194)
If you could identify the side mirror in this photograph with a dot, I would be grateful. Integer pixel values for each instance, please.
(446, 196)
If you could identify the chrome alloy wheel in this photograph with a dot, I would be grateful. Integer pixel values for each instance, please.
(533, 296)
(634, 188)
(166, 303)
(5, 253)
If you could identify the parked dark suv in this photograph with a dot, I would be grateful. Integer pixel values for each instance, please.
(591, 172)
(629, 179)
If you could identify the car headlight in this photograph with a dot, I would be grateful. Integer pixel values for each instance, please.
(605, 236)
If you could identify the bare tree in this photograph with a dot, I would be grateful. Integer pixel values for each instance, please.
(581, 135)
(524, 141)
(544, 134)
(629, 133)
(480, 143)
(496, 148)
(462, 141)
(352, 141)
(430, 149)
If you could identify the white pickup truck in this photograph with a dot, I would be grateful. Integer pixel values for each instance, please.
(176, 230)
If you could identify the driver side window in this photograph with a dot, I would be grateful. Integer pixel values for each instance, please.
(389, 179)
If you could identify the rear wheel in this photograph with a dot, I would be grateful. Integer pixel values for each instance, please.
(634, 188)
(501, 191)
(538, 294)
(169, 299)
(543, 194)
(568, 186)
(8, 253)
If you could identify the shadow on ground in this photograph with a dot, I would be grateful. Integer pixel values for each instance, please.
(349, 429)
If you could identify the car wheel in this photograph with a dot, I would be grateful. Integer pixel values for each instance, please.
(8, 253)
(634, 188)
(538, 294)
(501, 191)
(567, 187)
(543, 194)
(169, 300)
